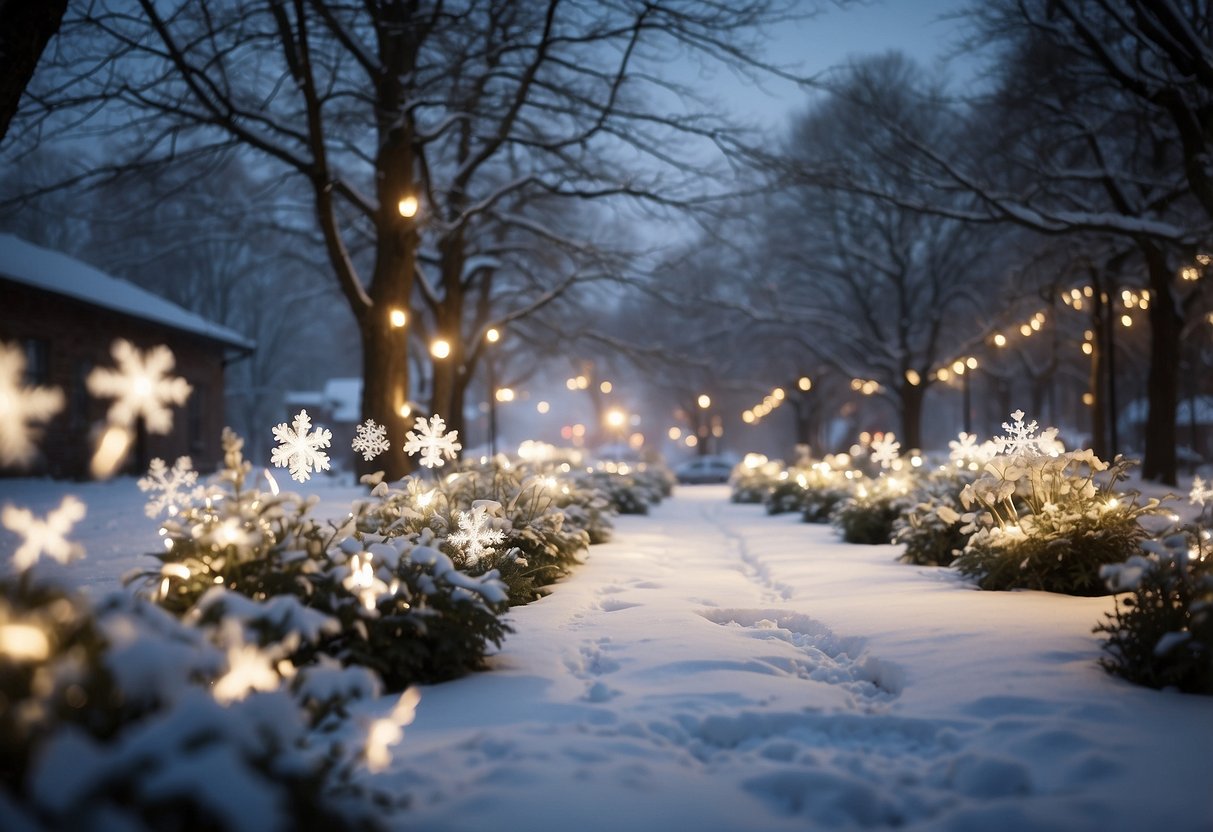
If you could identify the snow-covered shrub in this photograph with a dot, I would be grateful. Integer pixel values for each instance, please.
(626, 493)
(1161, 634)
(1040, 518)
(930, 529)
(786, 496)
(868, 515)
(120, 716)
(754, 478)
(489, 521)
(586, 508)
(826, 485)
(398, 606)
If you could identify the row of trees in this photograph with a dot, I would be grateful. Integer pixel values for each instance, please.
(905, 225)
(455, 162)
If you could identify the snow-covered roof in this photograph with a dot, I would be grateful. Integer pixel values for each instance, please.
(51, 271)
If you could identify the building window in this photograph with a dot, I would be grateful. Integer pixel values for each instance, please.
(37, 361)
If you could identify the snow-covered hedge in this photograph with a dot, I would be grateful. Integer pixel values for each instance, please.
(376, 594)
(1161, 634)
(120, 716)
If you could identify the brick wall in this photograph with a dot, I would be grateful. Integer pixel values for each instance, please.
(73, 337)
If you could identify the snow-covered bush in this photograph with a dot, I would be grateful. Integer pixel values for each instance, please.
(489, 521)
(120, 716)
(826, 485)
(754, 479)
(1161, 634)
(1041, 518)
(930, 529)
(786, 496)
(626, 492)
(868, 515)
(391, 602)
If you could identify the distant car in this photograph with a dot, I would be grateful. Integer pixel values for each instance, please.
(704, 469)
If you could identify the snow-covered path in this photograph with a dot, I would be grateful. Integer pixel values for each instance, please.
(717, 669)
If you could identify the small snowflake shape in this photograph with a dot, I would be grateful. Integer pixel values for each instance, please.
(19, 406)
(432, 442)
(1201, 492)
(474, 535)
(371, 440)
(47, 536)
(140, 387)
(177, 486)
(884, 450)
(1021, 438)
(964, 447)
(249, 667)
(300, 447)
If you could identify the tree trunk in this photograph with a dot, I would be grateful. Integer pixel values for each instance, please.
(910, 398)
(1100, 344)
(1162, 384)
(26, 26)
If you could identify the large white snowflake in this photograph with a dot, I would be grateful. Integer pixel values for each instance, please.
(1022, 439)
(474, 535)
(431, 441)
(140, 386)
(371, 439)
(21, 405)
(172, 487)
(44, 537)
(300, 447)
(1201, 492)
(885, 450)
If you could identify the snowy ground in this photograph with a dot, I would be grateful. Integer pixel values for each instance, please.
(718, 669)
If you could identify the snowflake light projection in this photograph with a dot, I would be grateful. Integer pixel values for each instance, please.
(300, 447)
(1201, 493)
(475, 537)
(371, 440)
(431, 441)
(885, 450)
(172, 488)
(140, 387)
(44, 537)
(20, 406)
(249, 667)
(388, 731)
(1022, 440)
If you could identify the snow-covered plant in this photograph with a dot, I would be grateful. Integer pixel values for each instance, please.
(118, 715)
(398, 606)
(930, 529)
(1041, 518)
(754, 478)
(629, 491)
(867, 516)
(827, 484)
(787, 494)
(1161, 633)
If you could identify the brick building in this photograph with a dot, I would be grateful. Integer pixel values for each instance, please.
(66, 314)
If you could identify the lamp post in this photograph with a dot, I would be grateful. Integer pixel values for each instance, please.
(492, 336)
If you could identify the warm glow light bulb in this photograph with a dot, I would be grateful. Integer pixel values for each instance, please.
(805, 383)
(493, 335)
(440, 348)
(398, 318)
(1000, 340)
(408, 207)
(606, 387)
(705, 401)
(543, 407)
